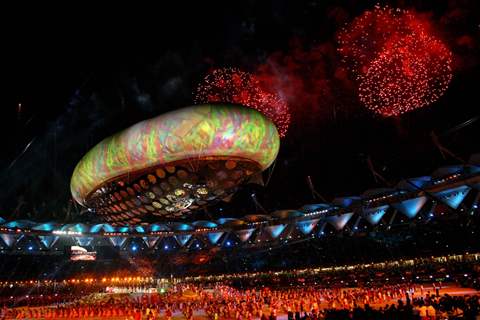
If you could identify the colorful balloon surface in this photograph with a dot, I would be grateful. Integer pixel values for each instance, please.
(197, 132)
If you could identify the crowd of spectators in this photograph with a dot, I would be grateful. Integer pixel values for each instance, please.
(399, 301)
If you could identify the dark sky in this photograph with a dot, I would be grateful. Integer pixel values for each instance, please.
(83, 74)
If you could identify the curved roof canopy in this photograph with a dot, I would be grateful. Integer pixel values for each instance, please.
(315, 207)
(285, 214)
(228, 222)
(256, 218)
(204, 224)
(377, 192)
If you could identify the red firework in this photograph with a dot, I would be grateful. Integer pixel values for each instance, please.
(364, 38)
(400, 66)
(232, 85)
(412, 72)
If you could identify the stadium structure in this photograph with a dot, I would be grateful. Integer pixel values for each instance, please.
(447, 191)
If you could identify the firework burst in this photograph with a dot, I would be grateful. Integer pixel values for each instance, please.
(410, 73)
(235, 86)
(399, 65)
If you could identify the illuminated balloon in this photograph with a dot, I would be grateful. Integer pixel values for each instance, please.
(175, 163)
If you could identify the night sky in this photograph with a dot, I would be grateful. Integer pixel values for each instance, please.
(81, 77)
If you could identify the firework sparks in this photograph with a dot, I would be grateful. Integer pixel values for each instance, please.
(235, 86)
(399, 65)
(411, 73)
